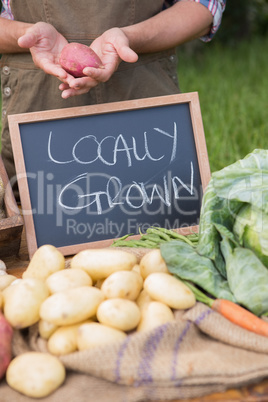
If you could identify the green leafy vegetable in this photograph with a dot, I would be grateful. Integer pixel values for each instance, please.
(243, 182)
(247, 277)
(214, 211)
(233, 236)
(184, 261)
(251, 229)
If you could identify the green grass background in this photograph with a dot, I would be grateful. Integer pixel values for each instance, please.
(232, 83)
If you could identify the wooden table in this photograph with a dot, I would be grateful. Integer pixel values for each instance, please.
(253, 393)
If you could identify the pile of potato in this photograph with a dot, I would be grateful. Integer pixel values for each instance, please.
(102, 297)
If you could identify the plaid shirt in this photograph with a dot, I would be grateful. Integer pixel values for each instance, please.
(216, 7)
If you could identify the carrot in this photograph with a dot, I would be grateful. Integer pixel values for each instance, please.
(6, 333)
(233, 312)
(240, 316)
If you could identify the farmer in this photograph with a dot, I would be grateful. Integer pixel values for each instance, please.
(139, 58)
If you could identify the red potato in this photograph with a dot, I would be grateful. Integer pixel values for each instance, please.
(6, 333)
(75, 57)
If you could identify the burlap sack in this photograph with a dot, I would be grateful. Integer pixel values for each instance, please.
(200, 353)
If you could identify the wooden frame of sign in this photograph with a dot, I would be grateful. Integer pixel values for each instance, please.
(54, 161)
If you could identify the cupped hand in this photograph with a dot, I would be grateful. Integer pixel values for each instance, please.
(45, 44)
(112, 47)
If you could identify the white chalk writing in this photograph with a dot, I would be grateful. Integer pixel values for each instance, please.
(108, 151)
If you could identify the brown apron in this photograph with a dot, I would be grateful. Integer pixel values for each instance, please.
(25, 88)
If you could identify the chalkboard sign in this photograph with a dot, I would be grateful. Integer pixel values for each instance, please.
(89, 175)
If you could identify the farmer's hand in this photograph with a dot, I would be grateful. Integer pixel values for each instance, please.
(45, 44)
(112, 47)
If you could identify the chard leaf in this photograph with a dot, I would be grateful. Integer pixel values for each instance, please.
(215, 210)
(247, 277)
(224, 232)
(183, 261)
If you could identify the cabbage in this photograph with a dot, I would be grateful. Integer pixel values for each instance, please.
(233, 228)
(242, 184)
(232, 250)
(251, 230)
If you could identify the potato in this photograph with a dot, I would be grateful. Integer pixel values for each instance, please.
(22, 302)
(136, 268)
(16, 281)
(35, 374)
(46, 328)
(75, 57)
(123, 284)
(119, 313)
(64, 339)
(152, 262)
(100, 263)
(71, 306)
(96, 334)
(46, 260)
(143, 300)
(67, 279)
(6, 280)
(153, 315)
(169, 290)
(3, 266)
